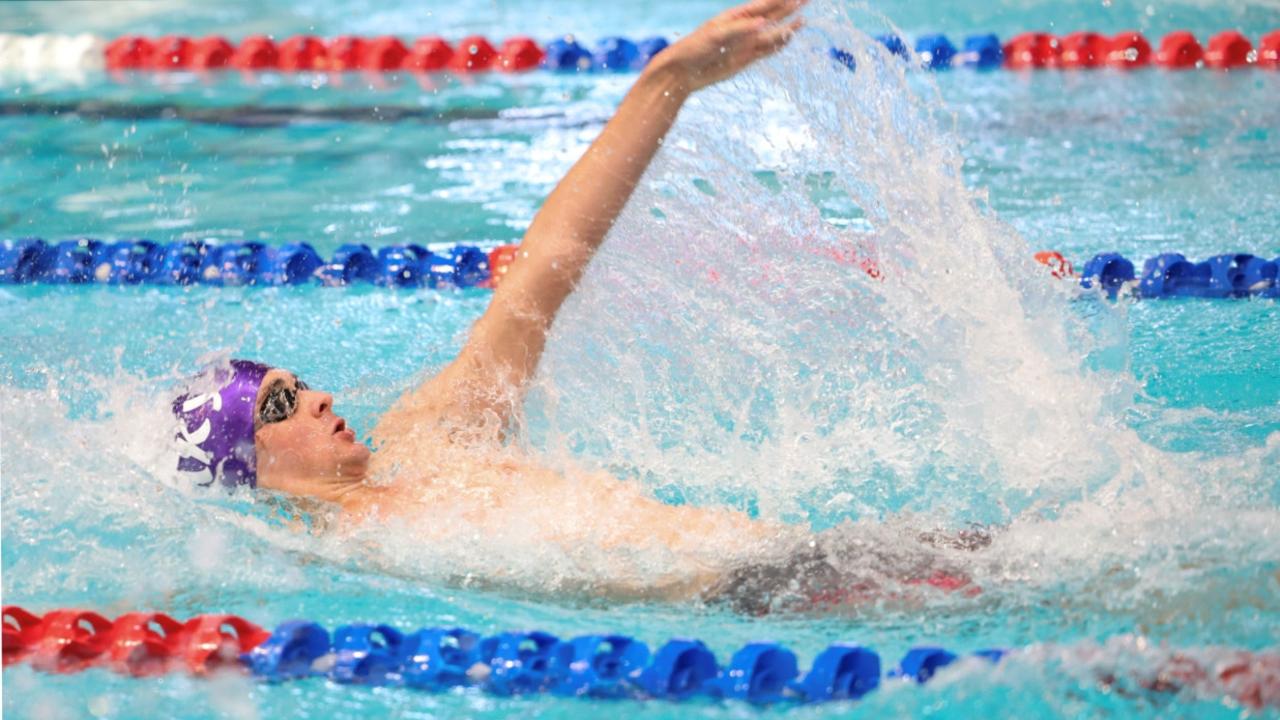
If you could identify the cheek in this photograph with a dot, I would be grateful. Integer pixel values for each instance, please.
(282, 440)
(293, 438)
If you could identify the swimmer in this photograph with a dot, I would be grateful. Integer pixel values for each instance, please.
(440, 450)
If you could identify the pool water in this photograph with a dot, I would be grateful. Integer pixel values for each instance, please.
(1126, 452)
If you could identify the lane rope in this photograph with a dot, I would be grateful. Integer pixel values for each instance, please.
(1178, 50)
(86, 261)
(145, 644)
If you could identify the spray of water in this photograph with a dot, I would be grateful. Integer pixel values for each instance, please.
(806, 313)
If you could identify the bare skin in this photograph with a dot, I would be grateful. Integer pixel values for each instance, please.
(440, 446)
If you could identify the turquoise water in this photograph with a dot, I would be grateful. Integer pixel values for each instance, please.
(1128, 451)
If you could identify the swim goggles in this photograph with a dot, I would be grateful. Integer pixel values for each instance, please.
(280, 402)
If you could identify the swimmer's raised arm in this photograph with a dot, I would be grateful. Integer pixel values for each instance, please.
(489, 375)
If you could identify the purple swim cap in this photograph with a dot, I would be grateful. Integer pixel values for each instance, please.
(215, 428)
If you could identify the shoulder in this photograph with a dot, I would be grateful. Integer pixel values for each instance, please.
(420, 421)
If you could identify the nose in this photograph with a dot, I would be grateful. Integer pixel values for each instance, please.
(315, 402)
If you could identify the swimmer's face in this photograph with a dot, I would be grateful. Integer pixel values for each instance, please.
(299, 439)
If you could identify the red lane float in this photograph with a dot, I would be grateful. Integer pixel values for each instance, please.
(1269, 50)
(211, 642)
(500, 259)
(1129, 49)
(256, 52)
(212, 53)
(519, 53)
(139, 643)
(473, 54)
(1031, 50)
(1179, 50)
(1084, 50)
(303, 52)
(1228, 50)
(344, 53)
(428, 54)
(1059, 266)
(171, 52)
(383, 54)
(128, 53)
(20, 631)
(69, 641)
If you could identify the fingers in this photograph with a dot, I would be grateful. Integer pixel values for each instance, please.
(776, 37)
(770, 9)
(762, 33)
(756, 8)
(785, 9)
(746, 27)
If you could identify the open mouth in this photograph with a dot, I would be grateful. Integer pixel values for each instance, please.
(342, 425)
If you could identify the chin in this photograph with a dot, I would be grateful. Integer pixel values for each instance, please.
(355, 455)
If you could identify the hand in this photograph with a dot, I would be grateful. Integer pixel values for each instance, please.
(729, 42)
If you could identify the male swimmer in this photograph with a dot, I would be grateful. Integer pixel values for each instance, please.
(439, 448)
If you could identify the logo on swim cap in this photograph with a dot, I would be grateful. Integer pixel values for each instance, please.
(215, 427)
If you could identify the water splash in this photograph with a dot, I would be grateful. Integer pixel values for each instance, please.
(748, 307)
(730, 345)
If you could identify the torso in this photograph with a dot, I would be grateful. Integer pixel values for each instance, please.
(594, 530)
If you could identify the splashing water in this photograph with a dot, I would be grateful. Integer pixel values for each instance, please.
(804, 312)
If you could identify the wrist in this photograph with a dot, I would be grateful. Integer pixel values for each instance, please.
(668, 77)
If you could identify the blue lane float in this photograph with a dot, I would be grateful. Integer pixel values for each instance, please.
(922, 663)
(367, 654)
(844, 57)
(1109, 271)
(982, 52)
(519, 662)
(611, 54)
(615, 54)
(1221, 276)
(841, 672)
(647, 48)
(759, 673)
(566, 55)
(589, 666)
(604, 666)
(291, 652)
(1171, 275)
(144, 262)
(680, 669)
(894, 44)
(937, 52)
(439, 658)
